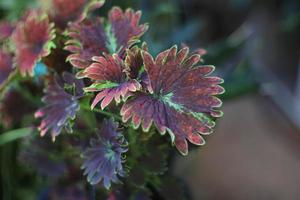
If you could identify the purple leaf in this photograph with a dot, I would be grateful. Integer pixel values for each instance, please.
(61, 106)
(103, 159)
(6, 29)
(182, 99)
(33, 40)
(92, 37)
(62, 12)
(111, 80)
(5, 65)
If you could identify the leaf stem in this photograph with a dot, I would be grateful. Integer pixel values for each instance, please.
(14, 135)
(108, 114)
(8, 81)
(93, 193)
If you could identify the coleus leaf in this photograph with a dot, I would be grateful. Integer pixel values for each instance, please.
(92, 37)
(6, 65)
(134, 65)
(134, 61)
(33, 40)
(62, 12)
(61, 106)
(110, 80)
(199, 51)
(103, 159)
(181, 100)
(6, 29)
(126, 28)
(88, 40)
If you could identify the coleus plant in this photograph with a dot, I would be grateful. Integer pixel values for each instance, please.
(115, 93)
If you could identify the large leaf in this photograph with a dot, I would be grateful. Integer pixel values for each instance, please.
(33, 40)
(93, 37)
(182, 99)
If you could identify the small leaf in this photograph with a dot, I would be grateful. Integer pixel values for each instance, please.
(60, 106)
(103, 160)
(111, 80)
(6, 65)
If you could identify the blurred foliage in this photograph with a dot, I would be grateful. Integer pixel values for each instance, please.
(13, 9)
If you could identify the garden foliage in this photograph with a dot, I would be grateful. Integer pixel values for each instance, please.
(101, 83)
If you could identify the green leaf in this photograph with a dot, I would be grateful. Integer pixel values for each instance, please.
(100, 86)
(14, 135)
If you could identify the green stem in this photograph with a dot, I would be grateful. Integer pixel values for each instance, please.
(108, 114)
(14, 135)
(8, 81)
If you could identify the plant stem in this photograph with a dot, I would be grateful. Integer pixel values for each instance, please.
(93, 193)
(14, 135)
(8, 81)
(109, 114)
